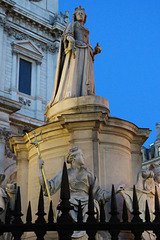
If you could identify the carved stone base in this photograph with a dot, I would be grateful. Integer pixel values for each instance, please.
(111, 147)
(77, 105)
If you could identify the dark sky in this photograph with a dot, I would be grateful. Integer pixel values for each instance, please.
(127, 72)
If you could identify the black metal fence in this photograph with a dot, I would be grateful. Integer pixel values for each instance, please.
(65, 226)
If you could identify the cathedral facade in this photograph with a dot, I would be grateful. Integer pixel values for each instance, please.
(30, 33)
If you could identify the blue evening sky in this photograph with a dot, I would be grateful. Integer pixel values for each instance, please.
(127, 72)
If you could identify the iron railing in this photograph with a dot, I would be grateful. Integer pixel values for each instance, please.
(65, 226)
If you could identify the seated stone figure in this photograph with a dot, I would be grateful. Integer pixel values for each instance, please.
(80, 179)
(145, 189)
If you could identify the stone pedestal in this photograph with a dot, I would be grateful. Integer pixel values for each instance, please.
(111, 146)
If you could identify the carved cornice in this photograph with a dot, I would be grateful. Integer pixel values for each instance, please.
(52, 47)
(55, 27)
(9, 106)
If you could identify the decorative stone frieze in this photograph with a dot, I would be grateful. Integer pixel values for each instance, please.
(2, 21)
(25, 102)
(24, 128)
(53, 47)
(5, 134)
(19, 14)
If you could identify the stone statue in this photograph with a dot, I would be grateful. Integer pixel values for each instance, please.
(80, 179)
(7, 196)
(145, 189)
(74, 74)
(3, 197)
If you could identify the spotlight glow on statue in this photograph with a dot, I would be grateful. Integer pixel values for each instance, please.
(80, 179)
(74, 74)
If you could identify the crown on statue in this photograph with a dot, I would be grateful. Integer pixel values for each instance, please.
(79, 8)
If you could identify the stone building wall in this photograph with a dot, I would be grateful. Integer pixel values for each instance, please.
(29, 30)
(151, 155)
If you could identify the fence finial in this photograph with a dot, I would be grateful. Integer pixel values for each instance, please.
(147, 214)
(79, 215)
(102, 213)
(113, 211)
(125, 213)
(41, 212)
(50, 214)
(65, 207)
(29, 214)
(136, 213)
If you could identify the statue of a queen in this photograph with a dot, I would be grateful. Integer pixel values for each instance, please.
(74, 74)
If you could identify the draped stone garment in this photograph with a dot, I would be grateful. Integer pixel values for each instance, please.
(79, 183)
(74, 75)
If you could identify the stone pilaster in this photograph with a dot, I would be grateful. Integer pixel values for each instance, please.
(84, 132)
(1, 57)
(21, 152)
(4, 147)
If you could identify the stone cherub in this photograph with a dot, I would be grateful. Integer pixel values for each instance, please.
(147, 179)
(80, 179)
(74, 74)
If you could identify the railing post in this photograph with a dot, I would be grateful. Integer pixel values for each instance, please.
(65, 207)
(91, 232)
(29, 214)
(40, 222)
(114, 219)
(136, 218)
(157, 214)
(50, 214)
(17, 216)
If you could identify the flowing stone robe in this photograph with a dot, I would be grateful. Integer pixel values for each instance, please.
(74, 74)
(145, 190)
(79, 183)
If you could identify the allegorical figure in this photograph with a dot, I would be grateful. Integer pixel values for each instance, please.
(145, 189)
(74, 74)
(80, 179)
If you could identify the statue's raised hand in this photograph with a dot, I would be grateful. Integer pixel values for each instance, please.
(121, 188)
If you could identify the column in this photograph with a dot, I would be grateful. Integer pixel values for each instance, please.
(14, 70)
(2, 150)
(22, 174)
(1, 58)
(38, 112)
(158, 130)
(51, 69)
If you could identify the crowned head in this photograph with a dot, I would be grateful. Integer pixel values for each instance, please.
(79, 15)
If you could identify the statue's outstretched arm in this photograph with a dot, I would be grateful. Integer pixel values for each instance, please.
(99, 193)
(53, 185)
(104, 195)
